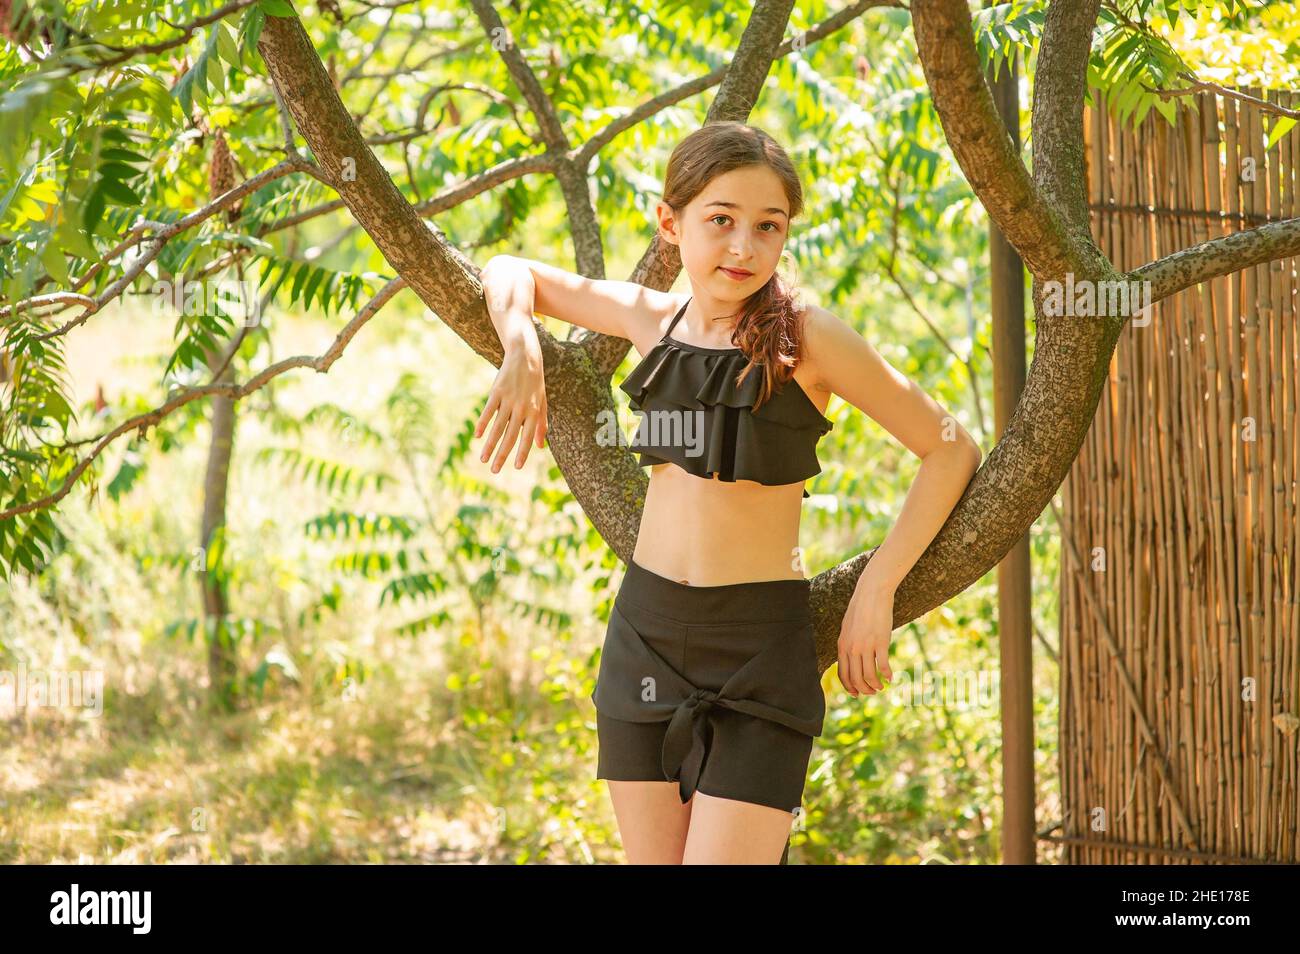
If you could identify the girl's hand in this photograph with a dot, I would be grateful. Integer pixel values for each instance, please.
(518, 399)
(864, 641)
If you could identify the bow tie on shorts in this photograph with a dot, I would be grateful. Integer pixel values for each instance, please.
(772, 685)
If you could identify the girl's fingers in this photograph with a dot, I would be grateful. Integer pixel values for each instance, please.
(541, 427)
(517, 439)
(512, 432)
(488, 410)
(859, 673)
(498, 428)
(518, 425)
(869, 673)
(528, 427)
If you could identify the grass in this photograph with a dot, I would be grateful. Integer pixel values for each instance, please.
(385, 776)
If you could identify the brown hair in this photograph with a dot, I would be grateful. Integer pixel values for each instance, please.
(767, 330)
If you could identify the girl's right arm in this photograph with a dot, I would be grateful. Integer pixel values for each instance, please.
(518, 395)
(516, 287)
(611, 307)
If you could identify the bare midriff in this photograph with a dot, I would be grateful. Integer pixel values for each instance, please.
(707, 532)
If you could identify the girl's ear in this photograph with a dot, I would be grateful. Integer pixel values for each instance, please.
(667, 223)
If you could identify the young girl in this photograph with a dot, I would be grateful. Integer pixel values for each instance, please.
(708, 696)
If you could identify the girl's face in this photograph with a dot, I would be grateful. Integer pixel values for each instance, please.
(731, 235)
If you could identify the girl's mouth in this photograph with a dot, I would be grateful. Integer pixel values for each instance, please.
(738, 274)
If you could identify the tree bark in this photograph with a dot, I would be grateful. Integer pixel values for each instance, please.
(223, 661)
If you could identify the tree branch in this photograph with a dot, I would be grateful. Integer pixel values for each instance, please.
(1199, 85)
(1060, 80)
(442, 278)
(142, 422)
(980, 142)
(588, 249)
(448, 198)
(154, 244)
(1217, 257)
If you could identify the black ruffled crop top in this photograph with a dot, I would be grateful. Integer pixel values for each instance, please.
(775, 444)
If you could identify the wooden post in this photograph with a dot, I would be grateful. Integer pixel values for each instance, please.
(1015, 625)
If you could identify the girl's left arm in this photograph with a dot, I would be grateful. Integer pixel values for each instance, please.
(844, 363)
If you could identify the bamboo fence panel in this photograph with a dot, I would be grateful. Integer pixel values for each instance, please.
(1179, 606)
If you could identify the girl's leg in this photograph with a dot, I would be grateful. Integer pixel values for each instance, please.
(724, 831)
(652, 821)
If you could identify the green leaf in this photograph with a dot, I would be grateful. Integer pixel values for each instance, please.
(275, 287)
(117, 170)
(323, 293)
(93, 210)
(53, 260)
(1146, 100)
(122, 155)
(200, 72)
(131, 468)
(73, 239)
(277, 8)
(310, 287)
(1166, 109)
(184, 91)
(251, 29)
(216, 75)
(303, 271)
(227, 49)
(119, 192)
(1280, 129)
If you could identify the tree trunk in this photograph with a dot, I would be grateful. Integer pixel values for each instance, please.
(223, 659)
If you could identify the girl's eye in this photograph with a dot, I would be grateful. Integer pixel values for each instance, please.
(726, 218)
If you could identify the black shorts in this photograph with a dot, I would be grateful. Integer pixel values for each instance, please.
(713, 687)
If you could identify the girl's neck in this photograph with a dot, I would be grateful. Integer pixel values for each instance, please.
(702, 327)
